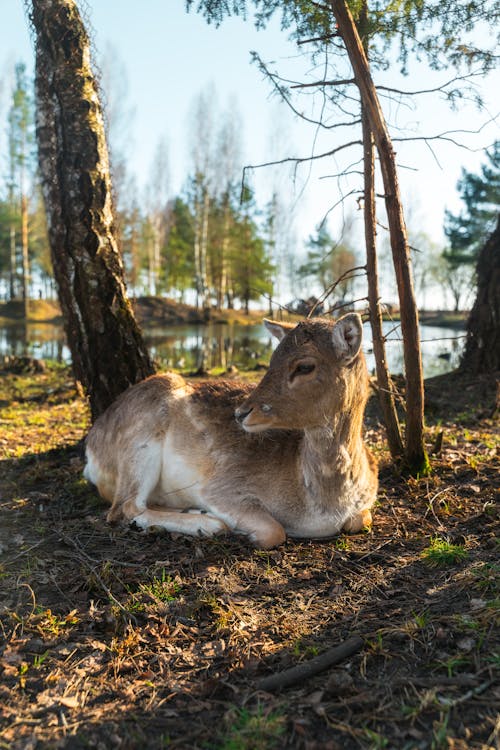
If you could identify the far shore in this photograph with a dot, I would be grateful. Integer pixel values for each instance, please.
(163, 311)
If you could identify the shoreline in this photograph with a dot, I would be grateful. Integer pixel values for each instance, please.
(165, 311)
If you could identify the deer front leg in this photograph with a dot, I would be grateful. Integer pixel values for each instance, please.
(248, 516)
(135, 492)
(194, 523)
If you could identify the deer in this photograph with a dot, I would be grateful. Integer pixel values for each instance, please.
(283, 458)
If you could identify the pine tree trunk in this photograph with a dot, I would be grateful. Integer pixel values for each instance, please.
(385, 387)
(482, 350)
(415, 453)
(106, 345)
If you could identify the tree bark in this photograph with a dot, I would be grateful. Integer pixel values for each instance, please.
(385, 387)
(415, 453)
(107, 348)
(13, 261)
(482, 349)
(25, 253)
(204, 248)
(202, 204)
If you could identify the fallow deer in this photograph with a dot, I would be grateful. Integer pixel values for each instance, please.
(284, 457)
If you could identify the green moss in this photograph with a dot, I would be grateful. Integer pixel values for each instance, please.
(417, 466)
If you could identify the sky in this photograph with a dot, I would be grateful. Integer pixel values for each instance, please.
(164, 57)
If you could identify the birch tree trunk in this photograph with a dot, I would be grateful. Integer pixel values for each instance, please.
(25, 253)
(107, 348)
(204, 249)
(13, 260)
(415, 453)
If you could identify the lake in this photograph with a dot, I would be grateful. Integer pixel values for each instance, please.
(218, 345)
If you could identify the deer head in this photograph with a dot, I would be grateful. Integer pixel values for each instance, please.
(316, 371)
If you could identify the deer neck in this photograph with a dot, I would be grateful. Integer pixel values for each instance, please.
(329, 455)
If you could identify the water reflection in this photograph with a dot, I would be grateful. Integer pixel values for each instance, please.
(441, 348)
(40, 340)
(217, 345)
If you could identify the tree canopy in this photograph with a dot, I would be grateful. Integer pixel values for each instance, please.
(468, 230)
(439, 32)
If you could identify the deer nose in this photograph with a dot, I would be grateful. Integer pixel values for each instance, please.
(241, 412)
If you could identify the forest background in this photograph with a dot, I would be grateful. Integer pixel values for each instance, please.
(179, 144)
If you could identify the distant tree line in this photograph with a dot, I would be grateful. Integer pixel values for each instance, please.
(212, 244)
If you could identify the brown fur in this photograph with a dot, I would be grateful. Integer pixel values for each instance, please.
(299, 466)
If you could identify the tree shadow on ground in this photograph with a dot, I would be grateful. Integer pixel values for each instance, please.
(117, 638)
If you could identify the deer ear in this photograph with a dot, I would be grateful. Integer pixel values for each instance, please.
(347, 336)
(279, 330)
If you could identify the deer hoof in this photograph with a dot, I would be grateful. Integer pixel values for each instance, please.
(359, 522)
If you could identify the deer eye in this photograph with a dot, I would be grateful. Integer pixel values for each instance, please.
(304, 368)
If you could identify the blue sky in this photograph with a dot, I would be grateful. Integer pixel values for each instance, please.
(168, 57)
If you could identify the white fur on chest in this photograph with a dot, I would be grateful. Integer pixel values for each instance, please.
(326, 519)
(181, 479)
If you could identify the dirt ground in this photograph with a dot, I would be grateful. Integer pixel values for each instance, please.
(113, 638)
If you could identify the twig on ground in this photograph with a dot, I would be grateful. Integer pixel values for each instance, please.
(310, 668)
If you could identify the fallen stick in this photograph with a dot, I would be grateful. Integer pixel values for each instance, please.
(310, 668)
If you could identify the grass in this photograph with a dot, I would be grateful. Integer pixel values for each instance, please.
(254, 729)
(441, 553)
(163, 589)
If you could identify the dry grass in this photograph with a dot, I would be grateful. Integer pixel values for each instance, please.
(111, 638)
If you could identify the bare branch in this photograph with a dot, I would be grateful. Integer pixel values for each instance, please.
(339, 82)
(442, 87)
(354, 191)
(445, 135)
(406, 166)
(351, 302)
(277, 304)
(445, 338)
(325, 38)
(341, 174)
(329, 290)
(281, 90)
(299, 160)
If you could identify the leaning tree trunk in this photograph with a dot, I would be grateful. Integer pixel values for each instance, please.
(415, 453)
(384, 382)
(107, 348)
(482, 350)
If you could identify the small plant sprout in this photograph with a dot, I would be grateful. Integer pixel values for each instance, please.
(421, 619)
(453, 664)
(163, 588)
(376, 741)
(51, 624)
(441, 552)
(39, 659)
(440, 734)
(253, 730)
